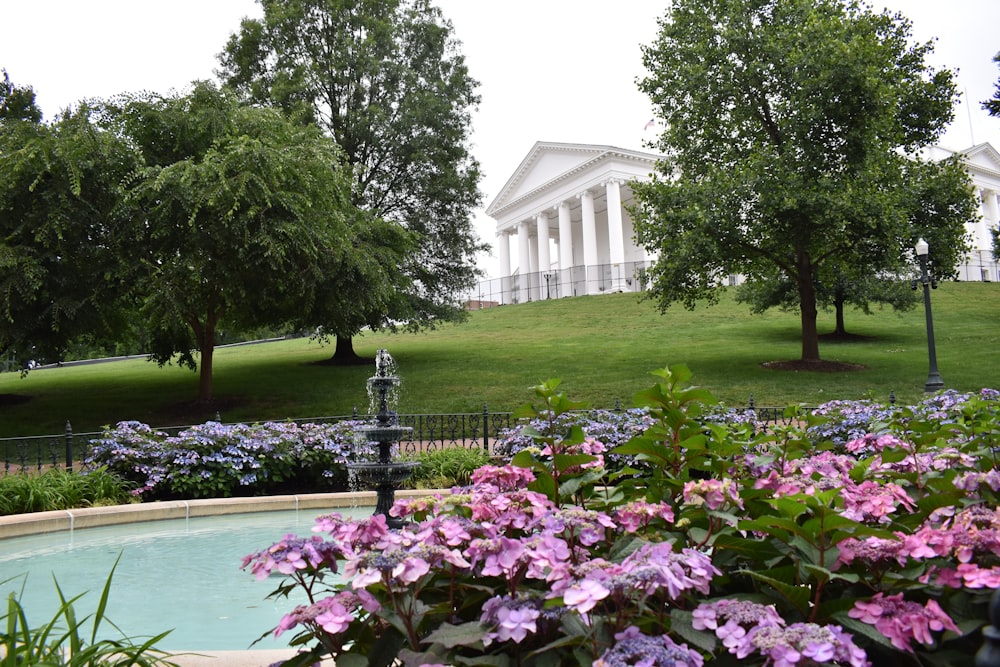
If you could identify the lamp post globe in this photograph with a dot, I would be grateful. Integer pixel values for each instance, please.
(934, 381)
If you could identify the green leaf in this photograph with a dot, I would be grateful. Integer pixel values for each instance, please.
(485, 660)
(386, 647)
(524, 459)
(351, 660)
(564, 461)
(450, 636)
(680, 622)
(798, 596)
(653, 450)
(820, 574)
(545, 484)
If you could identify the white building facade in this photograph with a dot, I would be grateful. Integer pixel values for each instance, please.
(982, 162)
(564, 229)
(563, 219)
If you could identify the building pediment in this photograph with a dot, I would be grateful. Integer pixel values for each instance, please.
(549, 165)
(983, 158)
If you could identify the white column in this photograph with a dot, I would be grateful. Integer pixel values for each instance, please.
(544, 258)
(589, 241)
(991, 204)
(616, 235)
(533, 267)
(565, 250)
(503, 246)
(523, 262)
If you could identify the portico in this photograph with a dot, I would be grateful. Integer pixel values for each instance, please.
(567, 206)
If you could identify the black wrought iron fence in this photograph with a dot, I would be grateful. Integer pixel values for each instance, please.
(429, 432)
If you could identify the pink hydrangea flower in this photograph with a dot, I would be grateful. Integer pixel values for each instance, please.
(902, 621)
(584, 595)
(512, 619)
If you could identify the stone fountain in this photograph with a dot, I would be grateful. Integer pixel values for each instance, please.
(383, 474)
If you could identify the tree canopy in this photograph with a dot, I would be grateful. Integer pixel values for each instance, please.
(790, 128)
(385, 79)
(939, 205)
(60, 225)
(235, 212)
(17, 102)
(992, 105)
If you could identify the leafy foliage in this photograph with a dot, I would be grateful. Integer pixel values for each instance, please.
(385, 79)
(447, 467)
(61, 223)
(733, 546)
(17, 102)
(993, 104)
(58, 489)
(236, 213)
(790, 142)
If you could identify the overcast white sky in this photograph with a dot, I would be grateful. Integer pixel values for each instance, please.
(550, 70)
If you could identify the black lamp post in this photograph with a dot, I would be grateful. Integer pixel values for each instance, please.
(934, 381)
(548, 277)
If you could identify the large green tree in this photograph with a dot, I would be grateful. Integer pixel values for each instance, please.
(939, 201)
(235, 212)
(789, 125)
(386, 80)
(17, 102)
(60, 225)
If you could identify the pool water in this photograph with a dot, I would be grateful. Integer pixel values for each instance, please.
(181, 574)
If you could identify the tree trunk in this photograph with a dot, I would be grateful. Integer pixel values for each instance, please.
(204, 336)
(344, 354)
(207, 353)
(807, 309)
(839, 330)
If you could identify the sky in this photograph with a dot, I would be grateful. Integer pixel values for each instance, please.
(549, 70)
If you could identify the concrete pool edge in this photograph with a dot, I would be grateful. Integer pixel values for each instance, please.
(20, 525)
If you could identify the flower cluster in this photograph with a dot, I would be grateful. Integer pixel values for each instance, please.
(901, 621)
(732, 619)
(634, 648)
(844, 421)
(802, 643)
(218, 460)
(609, 427)
(511, 619)
(293, 553)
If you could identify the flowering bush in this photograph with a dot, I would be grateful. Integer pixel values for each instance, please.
(215, 460)
(774, 551)
(843, 421)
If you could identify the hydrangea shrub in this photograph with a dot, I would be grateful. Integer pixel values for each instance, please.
(779, 550)
(215, 460)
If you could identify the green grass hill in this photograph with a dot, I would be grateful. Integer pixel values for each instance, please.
(602, 348)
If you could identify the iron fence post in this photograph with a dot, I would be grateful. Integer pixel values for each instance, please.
(69, 446)
(486, 429)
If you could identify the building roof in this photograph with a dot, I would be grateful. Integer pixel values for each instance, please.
(551, 170)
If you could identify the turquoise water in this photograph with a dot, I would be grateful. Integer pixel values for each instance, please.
(181, 574)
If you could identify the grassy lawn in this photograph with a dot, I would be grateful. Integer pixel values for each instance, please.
(602, 347)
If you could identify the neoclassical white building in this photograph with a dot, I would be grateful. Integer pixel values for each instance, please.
(563, 227)
(563, 216)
